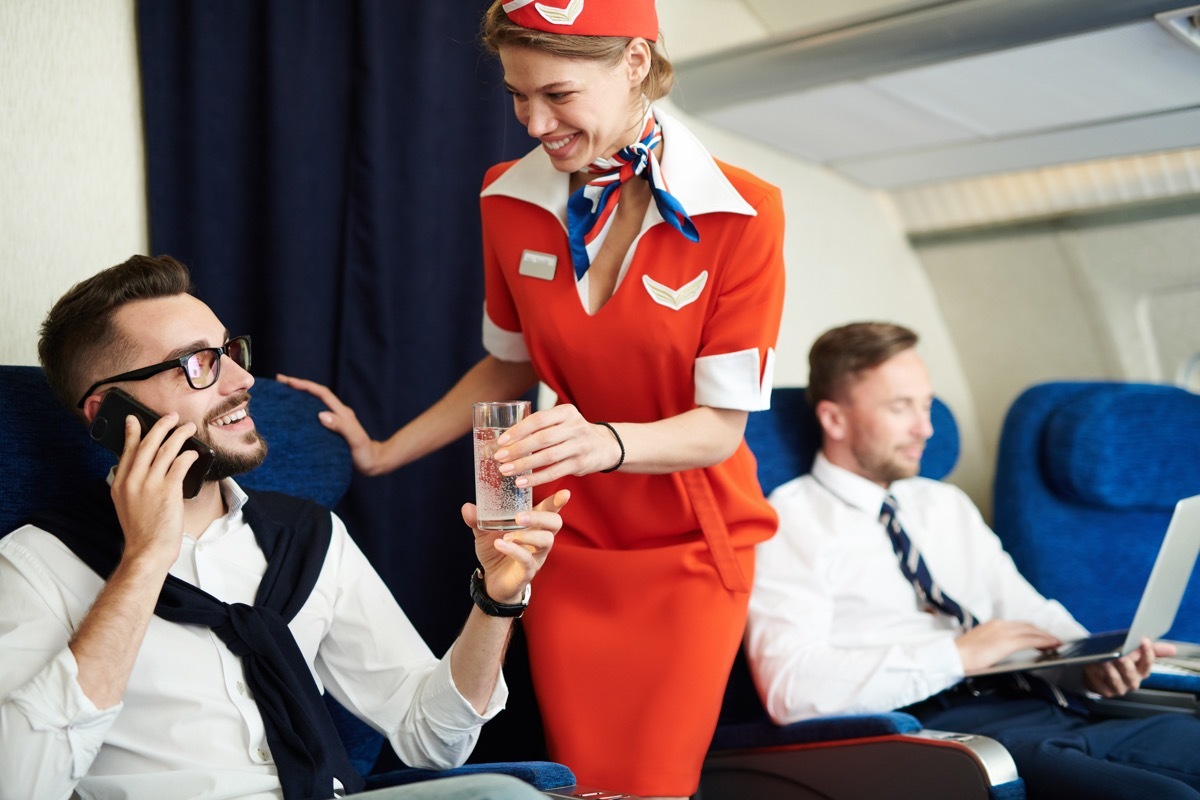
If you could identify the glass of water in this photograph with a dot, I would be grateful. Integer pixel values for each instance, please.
(497, 496)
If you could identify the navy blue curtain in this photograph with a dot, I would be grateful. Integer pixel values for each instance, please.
(317, 165)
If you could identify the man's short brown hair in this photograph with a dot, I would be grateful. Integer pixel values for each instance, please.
(79, 333)
(840, 355)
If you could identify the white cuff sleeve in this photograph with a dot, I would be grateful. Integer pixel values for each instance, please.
(731, 380)
(55, 707)
(504, 345)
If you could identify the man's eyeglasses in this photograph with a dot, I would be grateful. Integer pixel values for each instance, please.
(202, 367)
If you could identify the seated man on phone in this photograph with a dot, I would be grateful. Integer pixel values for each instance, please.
(840, 624)
(157, 647)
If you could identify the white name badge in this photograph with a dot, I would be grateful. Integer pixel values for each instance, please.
(538, 265)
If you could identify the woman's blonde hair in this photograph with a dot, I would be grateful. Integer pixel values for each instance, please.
(498, 31)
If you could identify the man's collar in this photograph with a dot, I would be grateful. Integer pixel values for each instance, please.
(231, 493)
(853, 490)
(692, 176)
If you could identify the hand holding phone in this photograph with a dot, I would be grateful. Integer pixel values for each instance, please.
(108, 428)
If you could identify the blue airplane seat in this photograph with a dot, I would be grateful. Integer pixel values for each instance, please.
(1087, 477)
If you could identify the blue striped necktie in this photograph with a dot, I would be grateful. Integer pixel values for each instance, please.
(913, 566)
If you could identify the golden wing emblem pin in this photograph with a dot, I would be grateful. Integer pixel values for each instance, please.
(675, 299)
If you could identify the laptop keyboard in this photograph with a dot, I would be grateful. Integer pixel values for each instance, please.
(1100, 643)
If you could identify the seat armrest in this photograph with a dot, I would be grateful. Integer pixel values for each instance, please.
(1173, 682)
(1146, 702)
(1177, 673)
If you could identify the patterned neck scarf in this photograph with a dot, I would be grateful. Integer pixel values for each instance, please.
(591, 208)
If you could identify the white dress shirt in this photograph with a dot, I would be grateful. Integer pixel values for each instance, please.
(187, 726)
(836, 628)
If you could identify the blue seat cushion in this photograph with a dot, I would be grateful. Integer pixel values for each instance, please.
(539, 774)
(1092, 440)
(750, 735)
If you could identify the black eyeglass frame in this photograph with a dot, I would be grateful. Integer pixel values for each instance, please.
(149, 372)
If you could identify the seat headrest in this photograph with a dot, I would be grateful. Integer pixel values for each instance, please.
(1125, 446)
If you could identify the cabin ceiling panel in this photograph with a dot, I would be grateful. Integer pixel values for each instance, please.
(688, 29)
(1147, 134)
(789, 16)
(909, 93)
(840, 122)
(1126, 71)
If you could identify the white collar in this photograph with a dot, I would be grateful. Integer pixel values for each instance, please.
(853, 490)
(233, 495)
(692, 176)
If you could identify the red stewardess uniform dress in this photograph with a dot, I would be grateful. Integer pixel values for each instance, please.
(642, 605)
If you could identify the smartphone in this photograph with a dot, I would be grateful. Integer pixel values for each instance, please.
(108, 428)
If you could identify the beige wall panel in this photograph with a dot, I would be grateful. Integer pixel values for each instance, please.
(1104, 296)
(71, 155)
(1014, 308)
(1134, 262)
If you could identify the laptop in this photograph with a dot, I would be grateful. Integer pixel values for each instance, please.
(1155, 613)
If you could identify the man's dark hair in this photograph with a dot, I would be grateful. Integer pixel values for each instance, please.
(79, 333)
(841, 354)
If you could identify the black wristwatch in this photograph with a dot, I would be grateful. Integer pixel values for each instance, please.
(489, 606)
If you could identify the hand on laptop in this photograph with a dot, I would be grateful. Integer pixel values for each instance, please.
(1122, 675)
(996, 639)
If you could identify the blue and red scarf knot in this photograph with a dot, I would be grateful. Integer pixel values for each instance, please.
(591, 207)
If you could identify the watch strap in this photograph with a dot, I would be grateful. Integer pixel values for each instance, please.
(489, 606)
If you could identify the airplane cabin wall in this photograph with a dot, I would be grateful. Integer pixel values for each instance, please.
(72, 197)
(1111, 295)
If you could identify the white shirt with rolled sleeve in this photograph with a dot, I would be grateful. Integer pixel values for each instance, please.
(187, 725)
(835, 627)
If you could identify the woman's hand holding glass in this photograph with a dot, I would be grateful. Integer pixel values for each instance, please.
(554, 443)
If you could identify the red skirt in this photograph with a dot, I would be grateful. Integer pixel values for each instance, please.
(630, 652)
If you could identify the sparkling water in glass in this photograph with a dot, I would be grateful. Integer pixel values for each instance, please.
(497, 496)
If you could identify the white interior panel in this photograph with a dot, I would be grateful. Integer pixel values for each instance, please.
(786, 16)
(838, 122)
(1169, 131)
(1122, 72)
(689, 27)
(1170, 319)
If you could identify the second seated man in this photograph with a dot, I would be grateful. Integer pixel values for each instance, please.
(884, 590)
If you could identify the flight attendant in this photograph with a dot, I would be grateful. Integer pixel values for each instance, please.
(642, 281)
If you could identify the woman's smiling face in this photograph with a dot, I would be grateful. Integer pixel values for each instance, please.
(579, 109)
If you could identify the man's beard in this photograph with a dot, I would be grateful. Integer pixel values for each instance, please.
(226, 464)
(885, 468)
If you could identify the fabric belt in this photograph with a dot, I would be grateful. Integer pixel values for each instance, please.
(716, 532)
(965, 691)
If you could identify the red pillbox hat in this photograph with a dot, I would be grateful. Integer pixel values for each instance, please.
(586, 17)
